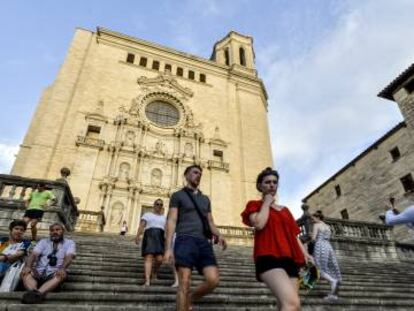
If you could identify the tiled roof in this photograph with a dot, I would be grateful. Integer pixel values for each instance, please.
(392, 87)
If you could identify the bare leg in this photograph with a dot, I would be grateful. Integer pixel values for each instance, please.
(183, 293)
(175, 275)
(34, 229)
(29, 282)
(50, 285)
(283, 288)
(158, 263)
(148, 269)
(211, 275)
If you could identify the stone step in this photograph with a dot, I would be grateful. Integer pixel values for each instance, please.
(307, 307)
(218, 301)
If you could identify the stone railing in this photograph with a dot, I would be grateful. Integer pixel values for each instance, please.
(89, 141)
(90, 221)
(356, 230)
(219, 165)
(237, 235)
(15, 190)
(405, 251)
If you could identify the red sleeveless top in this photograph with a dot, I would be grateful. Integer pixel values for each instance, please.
(278, 238)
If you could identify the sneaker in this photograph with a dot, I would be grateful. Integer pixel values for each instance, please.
(330, 297)
(32, 297)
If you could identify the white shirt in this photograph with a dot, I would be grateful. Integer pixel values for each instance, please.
(45, 248)
(154, 221)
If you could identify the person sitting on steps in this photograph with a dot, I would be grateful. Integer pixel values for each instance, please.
(46, 267)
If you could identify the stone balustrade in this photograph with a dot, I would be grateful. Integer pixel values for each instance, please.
(219, 165)
(15, 190)
(90, 221)
(355, 230)
(90, 141)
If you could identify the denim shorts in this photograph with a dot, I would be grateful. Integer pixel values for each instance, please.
(193, 252)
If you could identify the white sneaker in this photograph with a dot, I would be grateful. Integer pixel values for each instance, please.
(331, 297)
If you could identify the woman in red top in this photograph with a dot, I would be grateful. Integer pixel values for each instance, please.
(278, 252)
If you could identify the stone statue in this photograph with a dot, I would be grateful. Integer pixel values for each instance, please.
(188, 150)
(156, 177)
(130, 138)
(117, 214)
(160, 148)
(124, 169)
(306, 221)
(64, 173)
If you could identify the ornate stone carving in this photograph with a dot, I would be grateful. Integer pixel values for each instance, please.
(124, 170)
(188, 150)
(117, 214)
(166, 81)
(156, 177)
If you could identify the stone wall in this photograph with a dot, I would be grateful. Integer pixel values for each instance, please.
(93, 120)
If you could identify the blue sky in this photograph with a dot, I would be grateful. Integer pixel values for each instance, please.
(322, 61)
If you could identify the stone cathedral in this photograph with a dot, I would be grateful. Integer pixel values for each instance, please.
(126, 116)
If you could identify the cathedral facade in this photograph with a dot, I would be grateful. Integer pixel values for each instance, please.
(126, 116)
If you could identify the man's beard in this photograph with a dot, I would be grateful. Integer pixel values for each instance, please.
(57, 238)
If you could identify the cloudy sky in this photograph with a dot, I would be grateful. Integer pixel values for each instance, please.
(322, 61)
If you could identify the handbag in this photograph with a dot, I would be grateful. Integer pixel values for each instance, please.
(206, 227)
(12, 277)
(309, 277)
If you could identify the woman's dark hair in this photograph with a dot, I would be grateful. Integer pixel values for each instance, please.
(17, 222)
(268, 171)
(319, 214)
(188, 168)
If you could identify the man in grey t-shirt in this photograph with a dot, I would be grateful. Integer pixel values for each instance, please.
(192, 248)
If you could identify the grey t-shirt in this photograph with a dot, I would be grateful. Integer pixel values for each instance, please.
(188, 221)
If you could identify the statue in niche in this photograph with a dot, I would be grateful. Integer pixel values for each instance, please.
(124, 169)
(156, 177)
(129, 138)
(188, 150)
(117, 214)
(160, 148)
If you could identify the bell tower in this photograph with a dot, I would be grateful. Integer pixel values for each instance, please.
(236, 51)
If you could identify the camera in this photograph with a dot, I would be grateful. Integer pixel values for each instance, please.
(52, 260)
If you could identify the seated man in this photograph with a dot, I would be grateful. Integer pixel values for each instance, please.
(13, 247)
(51, 257)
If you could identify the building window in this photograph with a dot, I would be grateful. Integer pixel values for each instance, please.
(155, 65)
(191, 75)
(410, 86)
(93, 131)
(227, 57)
(202, 78)
(143, 61)
(167, 68)
(408, 183)
(180, 71)
(218, 155)
(395, 153)
(344, 214)
(242, 57)
(338, 191)
(130, 58)
(162, 113)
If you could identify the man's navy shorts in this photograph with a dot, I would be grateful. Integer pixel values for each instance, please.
(193, 252)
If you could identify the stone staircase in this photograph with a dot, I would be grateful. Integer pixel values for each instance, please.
(108, 270)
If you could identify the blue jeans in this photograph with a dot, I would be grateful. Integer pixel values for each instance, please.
(4, 266)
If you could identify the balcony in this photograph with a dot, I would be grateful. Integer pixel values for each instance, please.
(218, 165)
(90, 142)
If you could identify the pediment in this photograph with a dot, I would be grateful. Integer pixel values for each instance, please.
(167, 81)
